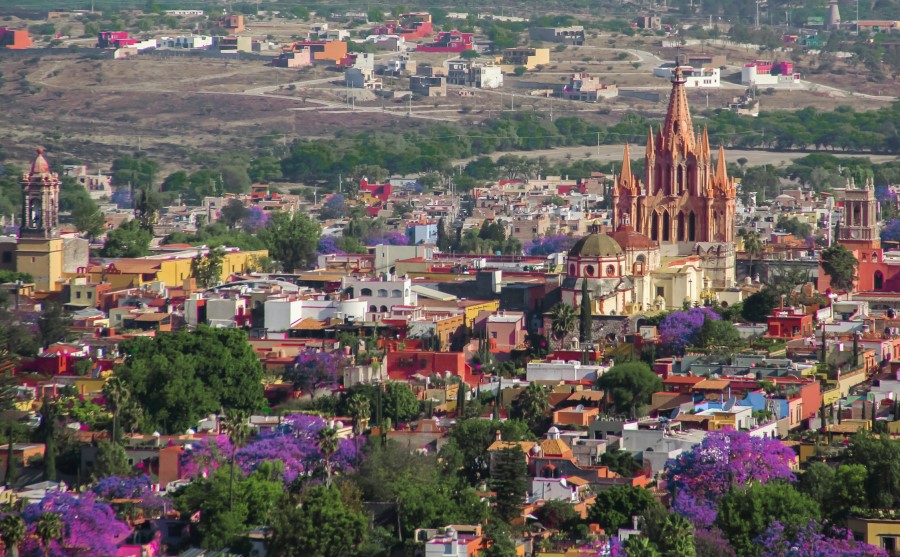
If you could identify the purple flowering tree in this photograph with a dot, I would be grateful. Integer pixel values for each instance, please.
(205, 456)
(724, 459)
(89, 527)
(328, 245)
(712, 543)
(546, 245)
(313, 370)
(391, 238)
(255, 220)
(334, 208)
(114, 487)
(294, 443)
(891, 231)
(679, 329)
(809, 541)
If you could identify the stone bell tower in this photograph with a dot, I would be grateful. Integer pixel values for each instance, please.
(39, 249)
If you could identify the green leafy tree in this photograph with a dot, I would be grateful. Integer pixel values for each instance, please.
(228, 510)
(49, 528)
(840, 265)
(718, 333)
(499, 541)
(321, 525)
(207, 269)
(53, 323)
(532, 406)
(615, 506)
(47, 432)
(759, 306)
(177, 378)
(291, 239)
(630, 386)
(233, 213)
(621, 462)
(509, 482)
(12, 533)
(744, 514)
(469, 440)
(129, 240)
(835, 489)
(880, 456)
(88, 219)
(560, 516)
(359, 409)
(112, 460)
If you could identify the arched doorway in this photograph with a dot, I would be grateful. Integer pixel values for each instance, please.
(879, 280)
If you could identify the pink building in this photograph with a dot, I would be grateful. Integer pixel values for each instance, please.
(293, 59)
(506, 331)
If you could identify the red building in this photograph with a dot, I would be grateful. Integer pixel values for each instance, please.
(449, 41)
(402, 365)
(114, 39)
(791, 323)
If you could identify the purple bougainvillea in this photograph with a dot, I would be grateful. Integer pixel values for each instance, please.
(255, 220)
(89, 526)
(724, 459)
(546, 245)
(205, 456)
(679, 329)
(313, 370)
(809, 541)
(115, 487)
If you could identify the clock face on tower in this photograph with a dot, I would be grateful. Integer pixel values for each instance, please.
(854, 234)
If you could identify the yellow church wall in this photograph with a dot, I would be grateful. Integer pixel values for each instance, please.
(42, 259)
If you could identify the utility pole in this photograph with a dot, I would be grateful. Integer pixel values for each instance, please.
(598, 145)
(757, 14)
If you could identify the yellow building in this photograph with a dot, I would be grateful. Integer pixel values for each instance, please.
(530, 58)
(473, 307)
(170, 269)
(39, 250)
(883, 532)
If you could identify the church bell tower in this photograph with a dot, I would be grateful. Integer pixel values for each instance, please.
(39, 249)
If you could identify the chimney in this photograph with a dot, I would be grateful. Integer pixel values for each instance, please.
(497, 436)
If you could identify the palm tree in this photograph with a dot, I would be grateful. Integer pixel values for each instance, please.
(235, 422)
(359, 409)
(532, 404)
(328, 445)
(116, 393)
(753, 246)
(564, 320)
(12, 532)
(49, 528)
(639, 546)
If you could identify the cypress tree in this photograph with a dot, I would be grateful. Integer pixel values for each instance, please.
(585, 332)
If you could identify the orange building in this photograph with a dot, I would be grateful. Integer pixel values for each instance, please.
(322, 51)
(15, 39)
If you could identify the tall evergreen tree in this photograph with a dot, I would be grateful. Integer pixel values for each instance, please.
(508, 481)
(443, 240)
(586, 314)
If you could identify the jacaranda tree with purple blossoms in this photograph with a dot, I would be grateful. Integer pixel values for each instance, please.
(546, 245)
(680, 329)
(723, 460)
(809, 541)
(388, 238)
(313, 370)
(891, 231)
(328, 245)
(294, 443)
(89, 526)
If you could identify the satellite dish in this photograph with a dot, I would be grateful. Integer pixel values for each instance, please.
(562, 482)
(156, 434)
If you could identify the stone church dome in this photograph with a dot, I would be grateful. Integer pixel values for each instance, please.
(595, 245)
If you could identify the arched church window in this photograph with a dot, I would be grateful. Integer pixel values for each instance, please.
(878, 280)
(680, 227)
(610, 270)
(573, 270)
(874, 257)
(589, 270)
(692, 227)
(666, 226)
(865, 258)
(654, 227)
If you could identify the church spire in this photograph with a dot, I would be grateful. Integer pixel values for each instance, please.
(721, 172)
(651, 148)
(626, 178)
(678, 123)
(704, 143)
